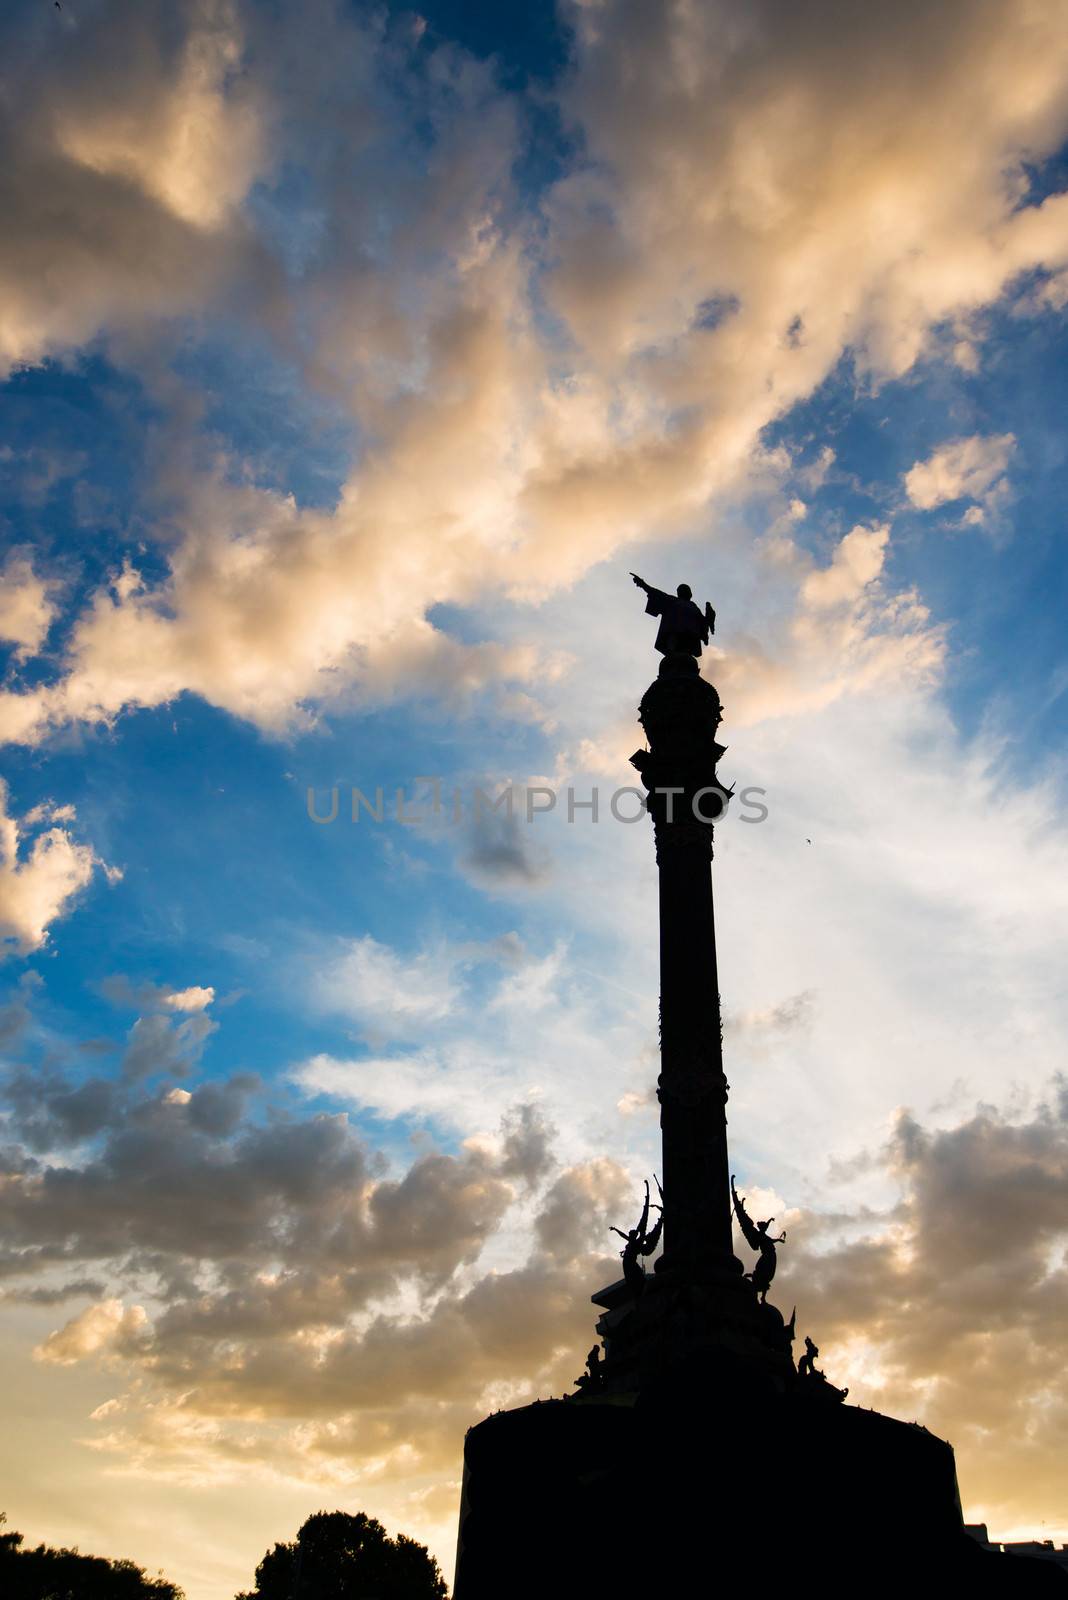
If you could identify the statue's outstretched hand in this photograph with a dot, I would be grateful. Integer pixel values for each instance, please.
(639, 581)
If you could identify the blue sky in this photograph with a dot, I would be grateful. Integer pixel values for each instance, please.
(351, 360)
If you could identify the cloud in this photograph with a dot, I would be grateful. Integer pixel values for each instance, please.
(195, 144)
(300, 1353)
(108, 1328)
(964, 469)
(128, 142)
(791, 170)
(527, 1152)
(26, 609)
(38, 885)
(496, 1025)
(581, 1205)
(386, 995)
(953, 1305)
(847, 634)
(195, 998)
(337, 1322)
(856, 563)
(188, 1181)
(157, 1045)
(217, 1109)
(500, 853)
(784, 1017)
(288, 1273)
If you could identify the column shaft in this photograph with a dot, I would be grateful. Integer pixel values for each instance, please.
(692, 1087)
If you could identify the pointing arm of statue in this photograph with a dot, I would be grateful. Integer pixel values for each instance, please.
(710, 618)
(639, 581)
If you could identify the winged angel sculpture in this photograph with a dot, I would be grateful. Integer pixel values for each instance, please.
(638, 1242)
(758, 1238)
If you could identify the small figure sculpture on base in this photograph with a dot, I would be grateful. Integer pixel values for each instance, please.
(813, 1378)
(592, 1379)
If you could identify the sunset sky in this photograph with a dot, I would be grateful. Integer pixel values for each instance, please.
(352, 356)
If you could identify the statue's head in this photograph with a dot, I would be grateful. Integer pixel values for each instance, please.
(684, 591)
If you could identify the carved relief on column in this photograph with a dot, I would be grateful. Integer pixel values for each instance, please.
(683, 835)
(691, 1068)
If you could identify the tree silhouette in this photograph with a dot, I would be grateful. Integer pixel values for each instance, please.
(336, 1556)
(46, 1574)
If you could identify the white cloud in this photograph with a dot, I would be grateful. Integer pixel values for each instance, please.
(459, 1085)
(195, 998)
(964, 469)
(386, 994)
(38, 884)
(857, 561)
(26, 609)
(847, 634)
(487, 1039)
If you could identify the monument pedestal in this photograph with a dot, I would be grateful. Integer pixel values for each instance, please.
(686, 1320)
(679, 1490)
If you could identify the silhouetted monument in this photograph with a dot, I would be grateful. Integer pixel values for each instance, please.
(692, 1406)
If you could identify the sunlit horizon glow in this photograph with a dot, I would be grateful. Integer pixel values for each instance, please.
(350, 359)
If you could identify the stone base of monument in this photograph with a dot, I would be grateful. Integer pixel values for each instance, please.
(679, 1491)
(694, 1321)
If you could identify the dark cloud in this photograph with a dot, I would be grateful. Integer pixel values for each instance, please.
(80, 1113)
(580, 1207)
(246, 1265)
(217, 1108)
(960, 1294)
(440, 1213)
(526, 1326)
(13, 1020)
(47, 1111)
(527, 1153)
(291, 1220)
(159, 1044)
(500, 851)
(56, 1294)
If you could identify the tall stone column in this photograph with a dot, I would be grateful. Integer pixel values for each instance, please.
(680, 713)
